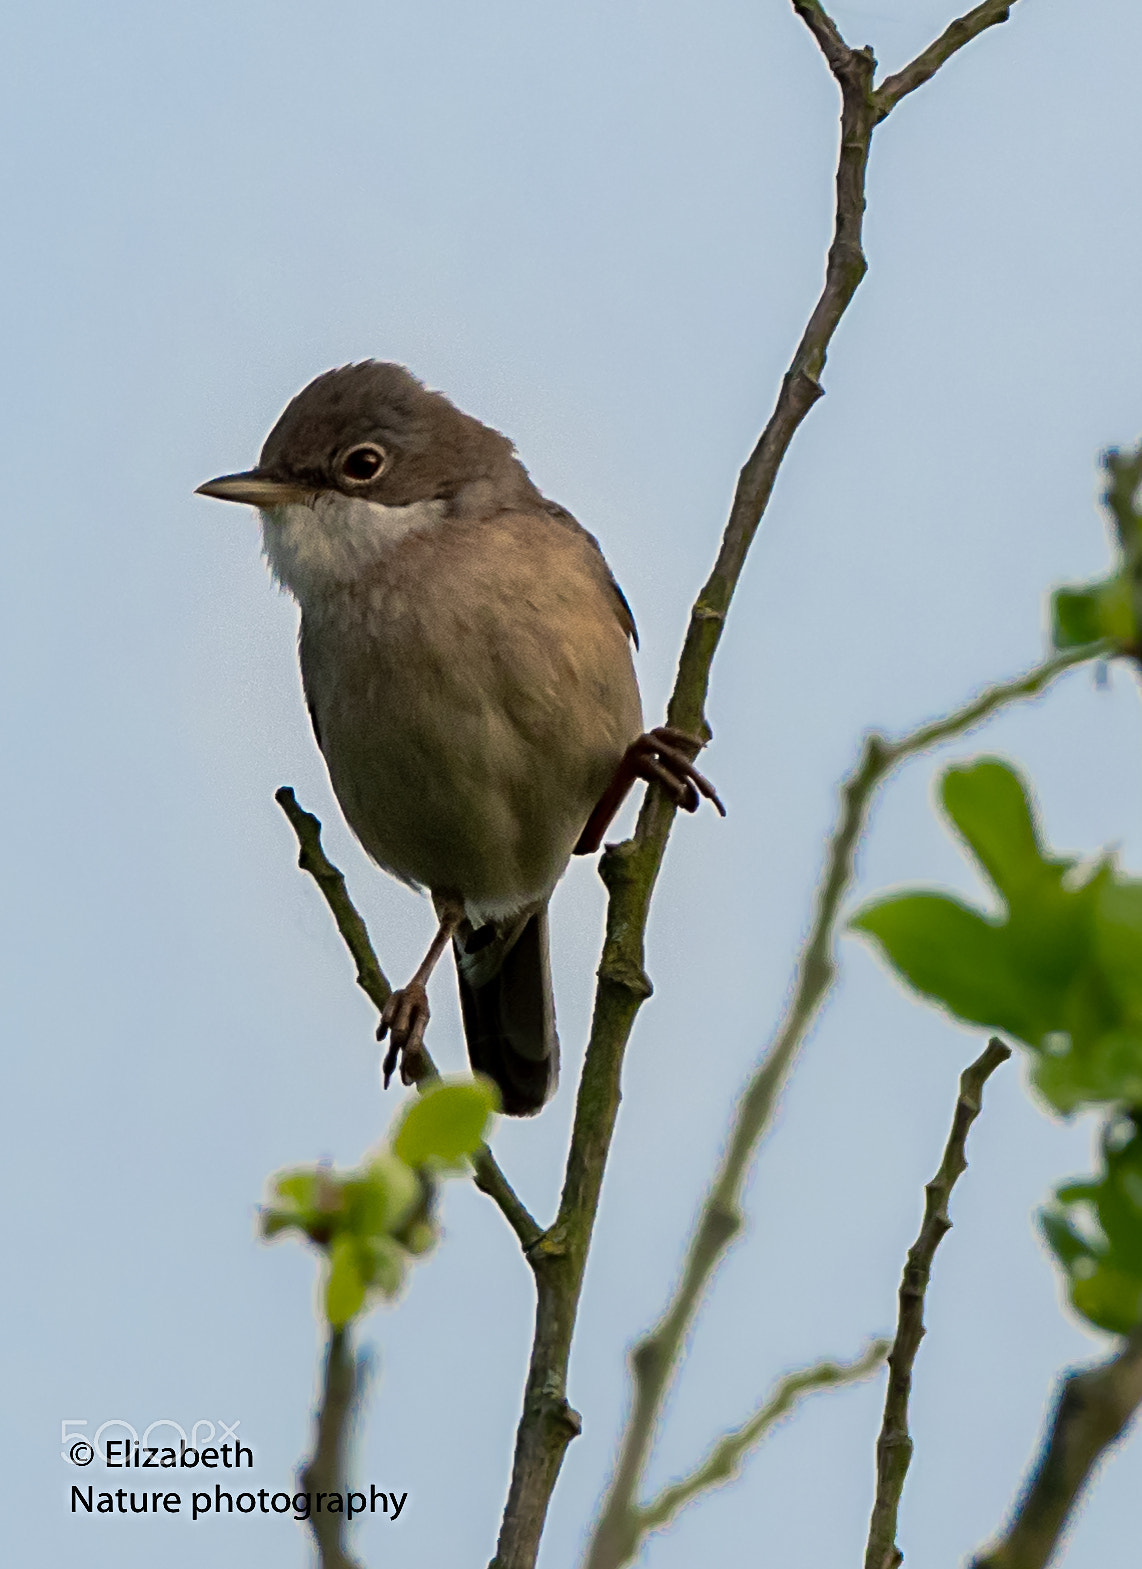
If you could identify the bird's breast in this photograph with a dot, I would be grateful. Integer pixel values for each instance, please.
(473, 693)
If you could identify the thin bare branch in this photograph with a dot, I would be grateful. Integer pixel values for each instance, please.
(725, 1458)
(827, 34)
(996, 697)
(488, 1176)
(929, 61)
(894, 1446)
(1094, 1408)
(655, 1360)
(312, 859)
(325, 1473)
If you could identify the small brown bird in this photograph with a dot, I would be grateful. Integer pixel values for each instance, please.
(465, 654)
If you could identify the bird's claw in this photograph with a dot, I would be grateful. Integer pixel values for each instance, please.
(404, 1019)
(665, 756)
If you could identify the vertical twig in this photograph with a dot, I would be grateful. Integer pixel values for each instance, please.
(654, 1361)
(548, 1423)
(894, 1447)
(325, 1472)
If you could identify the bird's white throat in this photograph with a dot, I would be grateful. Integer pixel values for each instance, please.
(314, 547)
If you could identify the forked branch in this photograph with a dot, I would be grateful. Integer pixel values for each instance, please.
(655, 1360)
(631, 870)
(950, 42)
(726, 1457)
(558, 1256)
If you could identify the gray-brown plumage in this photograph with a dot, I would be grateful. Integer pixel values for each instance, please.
(466, 658)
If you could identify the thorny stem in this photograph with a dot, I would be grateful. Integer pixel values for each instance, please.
(894, 1446)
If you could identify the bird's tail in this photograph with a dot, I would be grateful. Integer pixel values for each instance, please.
(508, 1009)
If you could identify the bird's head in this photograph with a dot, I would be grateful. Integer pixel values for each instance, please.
(360, 457)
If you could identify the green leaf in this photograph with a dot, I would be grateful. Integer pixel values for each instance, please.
(1094, 1228)
(1093, 612)
(1061, 970)
(447, 1122)
(1067, 1246)
(382, 1198)
(345, 1288)
(299, 1187)
(1110, 1300)
(274, 1221)
(1101, 1068)
(372, 1222)
(988, 803)
(1118, 930)
(306, 1196)
(387, 1262)
(954, 955)
(419, 1238)
(1050, 929)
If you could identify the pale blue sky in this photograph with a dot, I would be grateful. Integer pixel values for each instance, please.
(600, 228)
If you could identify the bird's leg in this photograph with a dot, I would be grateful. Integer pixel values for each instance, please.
(663, 756)
(404, 1018)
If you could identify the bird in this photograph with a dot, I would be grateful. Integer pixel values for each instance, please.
(466, 659)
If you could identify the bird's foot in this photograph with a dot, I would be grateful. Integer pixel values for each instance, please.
(665, 757)
(404, 1019)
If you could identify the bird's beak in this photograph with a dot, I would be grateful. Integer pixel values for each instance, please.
(256, 490)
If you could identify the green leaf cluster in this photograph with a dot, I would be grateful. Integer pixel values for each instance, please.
(1095, 1231)
(373, 1221)
(1060, 967)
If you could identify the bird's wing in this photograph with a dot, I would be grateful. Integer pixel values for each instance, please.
(622, 607)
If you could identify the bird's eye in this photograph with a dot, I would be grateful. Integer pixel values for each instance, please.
(363, 463)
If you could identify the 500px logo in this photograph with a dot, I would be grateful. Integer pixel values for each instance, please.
(203, 1444)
